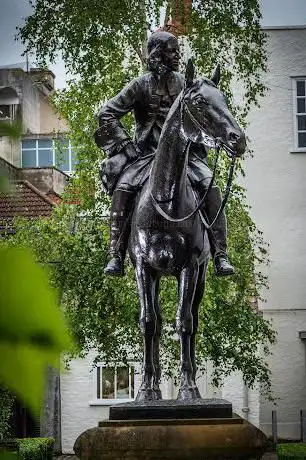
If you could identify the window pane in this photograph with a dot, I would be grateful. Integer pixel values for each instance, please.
(302, 122)
(29, 158)
(301, 105)
(29, 144)
(45, 143)
(302, 139)
(108, 379)
(74, 160)
(45, 158)
(62, 159)
(5, 111)
(122, 383)
(300, 88)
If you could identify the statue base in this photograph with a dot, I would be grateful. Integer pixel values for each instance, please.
(178, 438)
(171, 409)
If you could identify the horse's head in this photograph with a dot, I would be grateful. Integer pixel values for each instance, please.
(206, 113)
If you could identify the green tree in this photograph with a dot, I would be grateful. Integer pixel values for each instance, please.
(102, 45)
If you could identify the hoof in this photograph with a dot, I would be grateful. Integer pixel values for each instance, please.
(188, 394)
(148, 395)
(158, 393)
(197, 392)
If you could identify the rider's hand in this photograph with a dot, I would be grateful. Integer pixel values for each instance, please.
(131, 151)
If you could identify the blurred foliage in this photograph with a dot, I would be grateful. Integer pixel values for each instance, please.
(32, 330)
(103, 46)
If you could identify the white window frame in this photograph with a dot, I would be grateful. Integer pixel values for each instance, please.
(108, 402)
(296, 148)
(53, 148)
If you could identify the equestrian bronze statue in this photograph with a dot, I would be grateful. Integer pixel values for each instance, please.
(164, 200)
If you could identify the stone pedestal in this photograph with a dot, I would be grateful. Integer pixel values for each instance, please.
(177, 438)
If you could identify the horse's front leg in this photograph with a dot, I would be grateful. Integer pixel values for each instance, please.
(198, 295)
(156, 342)
(184, 324)
(146, 287)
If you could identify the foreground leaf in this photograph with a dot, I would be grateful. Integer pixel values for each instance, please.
(32, 330)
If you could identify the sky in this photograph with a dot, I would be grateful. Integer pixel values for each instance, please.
(13, 12)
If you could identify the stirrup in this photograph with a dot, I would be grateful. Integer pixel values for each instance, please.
(115, 266)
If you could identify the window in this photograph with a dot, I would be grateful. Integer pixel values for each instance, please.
(300, 113)
(114, 383)
(4, 111)
(7, 112)
(38, 153)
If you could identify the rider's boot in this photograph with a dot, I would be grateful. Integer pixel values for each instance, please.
(122, 205)
(217, 235)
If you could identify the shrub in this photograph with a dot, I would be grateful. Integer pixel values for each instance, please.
(6, 409)
(291, 451)
(35, 448)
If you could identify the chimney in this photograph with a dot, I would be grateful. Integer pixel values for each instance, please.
(177, 21)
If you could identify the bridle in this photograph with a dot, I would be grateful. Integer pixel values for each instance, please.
(218, 146)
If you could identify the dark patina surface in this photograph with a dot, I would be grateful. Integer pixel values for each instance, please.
(171, 409)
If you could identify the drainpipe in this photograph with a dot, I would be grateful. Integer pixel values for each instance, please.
(245, 409)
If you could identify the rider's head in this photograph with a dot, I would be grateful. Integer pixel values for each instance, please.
(163, 52)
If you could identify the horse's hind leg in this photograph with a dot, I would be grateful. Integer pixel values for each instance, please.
(156, 340)
(184, 324)
(146, 286)
(198, 295)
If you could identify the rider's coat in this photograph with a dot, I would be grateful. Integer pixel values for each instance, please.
(150, 98)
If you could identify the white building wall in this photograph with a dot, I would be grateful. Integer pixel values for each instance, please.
(245, 401)
(287, 364)
(76, 393)
(275, 179)
(276, 189)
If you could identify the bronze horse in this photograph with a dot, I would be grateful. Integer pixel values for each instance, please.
(168, 236)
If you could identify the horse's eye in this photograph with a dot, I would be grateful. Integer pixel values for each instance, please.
(200, 100)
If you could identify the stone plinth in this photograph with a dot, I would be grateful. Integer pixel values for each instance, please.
(187, 439)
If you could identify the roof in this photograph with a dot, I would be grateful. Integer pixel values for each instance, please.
(54, 197)
(24, 200)
(293, 27)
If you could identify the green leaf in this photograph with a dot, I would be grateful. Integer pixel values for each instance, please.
(32, 330)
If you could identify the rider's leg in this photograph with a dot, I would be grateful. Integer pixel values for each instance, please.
(121, 211)
(217, 235)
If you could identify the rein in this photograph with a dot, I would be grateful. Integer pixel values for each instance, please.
(218, 146)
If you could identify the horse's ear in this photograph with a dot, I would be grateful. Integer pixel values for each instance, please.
(189, 73)
(215, 78)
